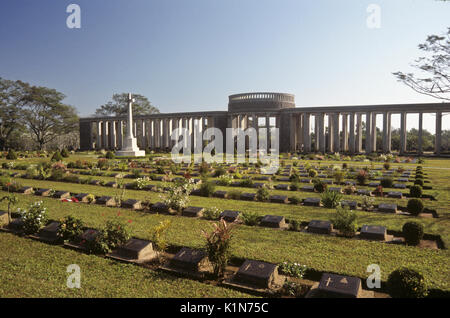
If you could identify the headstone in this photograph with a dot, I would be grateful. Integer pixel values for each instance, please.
(374, 184)
(16, 224)
(111, 184)
(351, 204)
(402, 179)
(333, 286)
(350, 183)
(399, 186)
(95, 182)
(193, 211)
(132, 204)
(82, 197)
(26, 190)
(3, 218)
(308, 188)
(258, 185)
(282, 186)
(363, 192)
(396, 195)
(278, 199)
(50, 231)
(220, 194)
(328, 181)
(335, 189)
(257, 273)
(43, 192)
(283, 179)
(248, 196)
(106, 200)
(311, 201)
(149, 187)
(229, 216)
(160, 207)
(61, 194)
(305, 180)
(373, 232)
(275, 221)
(136, 249)
(387, 207)
(190, 259)
(320, 227)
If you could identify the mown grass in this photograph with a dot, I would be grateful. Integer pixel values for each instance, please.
(33, 269)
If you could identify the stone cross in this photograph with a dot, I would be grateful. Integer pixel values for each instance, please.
(130, 115)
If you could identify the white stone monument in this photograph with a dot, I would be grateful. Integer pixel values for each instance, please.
(129, 147)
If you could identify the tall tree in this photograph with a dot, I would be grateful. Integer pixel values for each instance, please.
(46, 116)
(118, 106)
(12, 95)
(435, 68)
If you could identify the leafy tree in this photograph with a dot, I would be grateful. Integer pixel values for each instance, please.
(46, 116)
(435, 67)
(118, 106)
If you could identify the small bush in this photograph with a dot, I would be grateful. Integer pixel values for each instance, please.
(34, 218)
(219, 172)
(212, 213)
(250, 218)
(330, 199)
(362, 177)
(65, 153)
(11, 155)
(71, 228)
(386, 182)
(207, 188)
(419, 182)
(90, 198)
(248, 183)
(218, 246)
(295, 200)
(406, 283)
(294, 225)
(386, 165)
(234, 194)
(319, 186)
(262, 194)
(292, 269)
(312, 173)
(109, 155)
(57, 156)
(415, 191)
(415, 206)
(345, 221)
(413, 233)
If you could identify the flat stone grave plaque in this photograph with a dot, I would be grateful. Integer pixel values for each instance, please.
(189, 259)
(160, 207)
(283, 179)
(88, 236)
(350, 183)
(195, 174)
(61, 194)
(285, 174)
(149, 187)
(363, 192)
(278, 199)
(16, 224)
(377, 178)
(258, 185)
(230, 216)
(335, 189)
(322, 176)
(263, 178)
(373, 232)
(248, 196)
(82, 197)
(328, 181)
(351, 204)
(43, 192)
(305, 180)
(136, 249)
(308, 188)
(95, 182)
(106, 200)
(50, 231)
(394, 194)
(311, 201)
(111, 184)
(193, 211)
(158, 178)
(275, 221)
(282, 186)
(132, 204)
(196, 192)
(235, 183)
(399, 186)
(26, 190)
(3, 218)
(402, 179)
(257, 273)
(337, 286)
(374, 184)
(387, 207)
(320, 227)
(303, 175)
(220, 194)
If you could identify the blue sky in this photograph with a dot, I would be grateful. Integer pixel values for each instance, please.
(189, 55)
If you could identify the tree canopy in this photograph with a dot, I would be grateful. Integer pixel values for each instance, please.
(118, 106)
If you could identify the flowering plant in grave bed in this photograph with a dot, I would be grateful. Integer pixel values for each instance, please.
(177, 197)
(34, 218)
(292, 269)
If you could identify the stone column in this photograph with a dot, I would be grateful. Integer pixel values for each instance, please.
(420, 139)
(112, 135)
(345, 132)
(438, 141)
(403, 133)
(298, 132)
(359, 133)
(351, 142)
(368, 132)
(385, 132)
(330, 134)
(306, 132)
(104, 135)
(321, 133)
(336, 128)
(316, 133)
(374, 132)
(120, 134)
(389, 133)
(98, 144)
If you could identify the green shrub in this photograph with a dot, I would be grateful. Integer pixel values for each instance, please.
(57, 156)
(345, 221)
(413, 233)
(250, 218)
(207, 188)
(294, 225)
(295, 200)
(339, 176)
(262, 194)
(330, 199)
(415, 206)
(248, 183)
(90, 198)
(386, 165)
(11, 155)
(219, 172)
(212, 213)
(234, 194)
(312, 173)
(387, 182)
(419, 182)
(109, 155)
(319, 186)
(65, 153)
(415, 191)
(294, 186)
(34, 218)
(71, 228)
(218, 247)
(406, 283)
(292, 269)
(362, 177)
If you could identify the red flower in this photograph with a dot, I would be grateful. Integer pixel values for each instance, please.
(129, 221)
(118, 213)
(74, 199)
